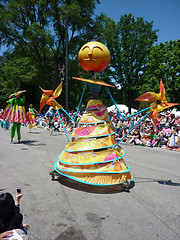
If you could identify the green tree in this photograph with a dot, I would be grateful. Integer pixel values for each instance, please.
(129, 41)
(37, 29)
(17, 74)
(164, 63)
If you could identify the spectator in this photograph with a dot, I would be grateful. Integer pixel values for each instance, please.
(177, 121)
(10, 216)
(131, 123)
(117, 125)
(162, 120)
(13, 235)
(178, 135)
(153, 138)
(161, 140)
(50, 113)
(172, 120)
(148, 122)
(166, 131)
(173, 140)
(6, 235)
(118, 135)
(135, 136)
(117, 115)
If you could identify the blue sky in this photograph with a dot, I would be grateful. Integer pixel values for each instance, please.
(165, 14)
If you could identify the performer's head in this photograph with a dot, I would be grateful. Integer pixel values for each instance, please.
(17, 96)
(30, 105)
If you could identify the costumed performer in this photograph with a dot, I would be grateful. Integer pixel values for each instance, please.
(15, 112)
(31, 117)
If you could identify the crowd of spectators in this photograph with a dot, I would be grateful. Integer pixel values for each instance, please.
(165, 134)
(51, 121)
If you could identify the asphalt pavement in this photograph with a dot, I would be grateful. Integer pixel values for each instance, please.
(65, 210)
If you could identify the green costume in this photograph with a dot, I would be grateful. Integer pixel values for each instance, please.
(13, 129)
(16, 102)
(15, 112)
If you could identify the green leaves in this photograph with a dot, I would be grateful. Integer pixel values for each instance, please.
(36, 32)
(164, 62)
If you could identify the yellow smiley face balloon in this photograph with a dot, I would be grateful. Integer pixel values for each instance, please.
(94, 57)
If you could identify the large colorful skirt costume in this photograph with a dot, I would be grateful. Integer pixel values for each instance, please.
(14, 113)
(90, 157)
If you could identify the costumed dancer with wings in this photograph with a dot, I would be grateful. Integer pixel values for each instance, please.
(15, 112)
(31, 117)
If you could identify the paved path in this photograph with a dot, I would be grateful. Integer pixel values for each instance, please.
(61, 210)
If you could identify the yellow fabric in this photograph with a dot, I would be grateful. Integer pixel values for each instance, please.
(94, 103)
(53, 104)
(89, 157)
(157, 107)
(88, 144)
(159, 102)
(44, 97)
(101, 178)
(48, 98)
(95, 81)
(47, 92)
(112, 167)
(58, 90)
(94, 130)
(95, 117)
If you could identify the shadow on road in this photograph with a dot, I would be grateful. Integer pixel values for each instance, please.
(168, 182)
(30, 143)
(34, 132)
(2, 189)
(94, 189)
(160, 181)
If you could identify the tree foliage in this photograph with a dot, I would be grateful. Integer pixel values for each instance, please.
(37, 30)
(164, 63)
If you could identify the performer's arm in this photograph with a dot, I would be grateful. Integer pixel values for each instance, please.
(35, 111)
(11, 101)
(22, 100)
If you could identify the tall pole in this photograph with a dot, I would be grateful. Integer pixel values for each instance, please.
(66, 63)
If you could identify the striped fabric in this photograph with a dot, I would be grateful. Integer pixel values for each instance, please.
(14, 113)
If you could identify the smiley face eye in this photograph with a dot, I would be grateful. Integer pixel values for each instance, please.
(85, 48)
(158, 101)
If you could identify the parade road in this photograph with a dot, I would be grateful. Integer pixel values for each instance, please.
(66, 210)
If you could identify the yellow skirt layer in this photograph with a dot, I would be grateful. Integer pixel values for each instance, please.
(94, 131)
(91, 157)
(97, 116)
(98, 178)
(89, 144)
(94, 104)
(112, 167)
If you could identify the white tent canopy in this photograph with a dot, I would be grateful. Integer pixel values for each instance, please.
(176, 113)
(121, 108)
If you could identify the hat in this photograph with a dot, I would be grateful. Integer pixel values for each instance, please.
(17, 93)
(167, 125)
(147, 119)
